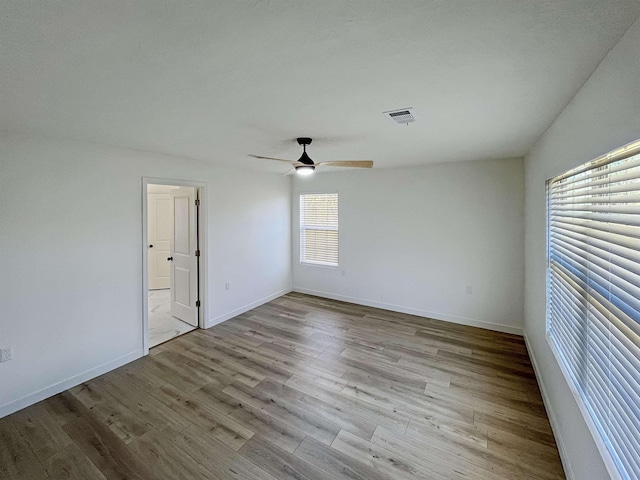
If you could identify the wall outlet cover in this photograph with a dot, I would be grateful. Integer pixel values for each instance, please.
(6, 354)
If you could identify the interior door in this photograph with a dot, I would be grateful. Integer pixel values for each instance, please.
(183, 259)
(158, 237)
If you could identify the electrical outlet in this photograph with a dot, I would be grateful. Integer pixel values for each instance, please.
(6, 354)
(469, 290)
(227, 285)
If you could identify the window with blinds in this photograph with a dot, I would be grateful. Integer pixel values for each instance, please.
(593, 297)
(319, 229)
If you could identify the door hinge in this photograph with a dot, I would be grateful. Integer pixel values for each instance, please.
(197, 253)
(197, 303)
(197, 202)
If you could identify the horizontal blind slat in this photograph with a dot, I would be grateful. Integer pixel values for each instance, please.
(631, 196)
(594, 226)
(603, 188)
(619, 168)
(630, 220)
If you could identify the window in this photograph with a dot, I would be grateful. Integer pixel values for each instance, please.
(319, 229)
(593, 297)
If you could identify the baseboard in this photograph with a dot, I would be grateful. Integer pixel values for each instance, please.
(562, 450)
(414, 311)
(245, 308)
(35, 397)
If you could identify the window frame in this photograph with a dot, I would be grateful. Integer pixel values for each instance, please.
(304, 226)
(599, 437)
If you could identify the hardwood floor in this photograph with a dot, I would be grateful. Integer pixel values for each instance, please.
(299, 388)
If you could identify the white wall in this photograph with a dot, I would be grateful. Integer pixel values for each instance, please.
(412, 239)
(605, 114)
(71, 255)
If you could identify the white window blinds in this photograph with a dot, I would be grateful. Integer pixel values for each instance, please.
(593, 291)
(319, 228)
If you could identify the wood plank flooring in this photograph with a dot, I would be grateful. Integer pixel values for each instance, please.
(299, 388)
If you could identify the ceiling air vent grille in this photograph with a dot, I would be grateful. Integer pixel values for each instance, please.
(402, 116)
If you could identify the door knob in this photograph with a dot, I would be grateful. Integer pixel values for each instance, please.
(150, 246)
(169, 259)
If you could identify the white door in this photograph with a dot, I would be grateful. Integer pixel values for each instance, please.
(158, 237)
(183, 259)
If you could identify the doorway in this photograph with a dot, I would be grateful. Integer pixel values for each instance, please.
(172, 283)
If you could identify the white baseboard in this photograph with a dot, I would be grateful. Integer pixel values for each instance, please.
(414, 311)
(562, 449)
(31, 398)
(245, 308)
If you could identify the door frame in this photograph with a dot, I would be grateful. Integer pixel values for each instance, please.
(201, 190)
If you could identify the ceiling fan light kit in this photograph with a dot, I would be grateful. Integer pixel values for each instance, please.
(305, 169)
(305, 166)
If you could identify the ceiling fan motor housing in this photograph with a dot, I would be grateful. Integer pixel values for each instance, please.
(304, 158)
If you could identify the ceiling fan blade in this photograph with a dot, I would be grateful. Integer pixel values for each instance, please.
(272, 158)
(348, 163)
(290, 172)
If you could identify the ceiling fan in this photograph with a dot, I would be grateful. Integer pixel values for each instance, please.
(305, 166)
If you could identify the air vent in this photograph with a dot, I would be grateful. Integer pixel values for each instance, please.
(402, 116)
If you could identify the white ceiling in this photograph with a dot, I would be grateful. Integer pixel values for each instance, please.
(217, 80)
